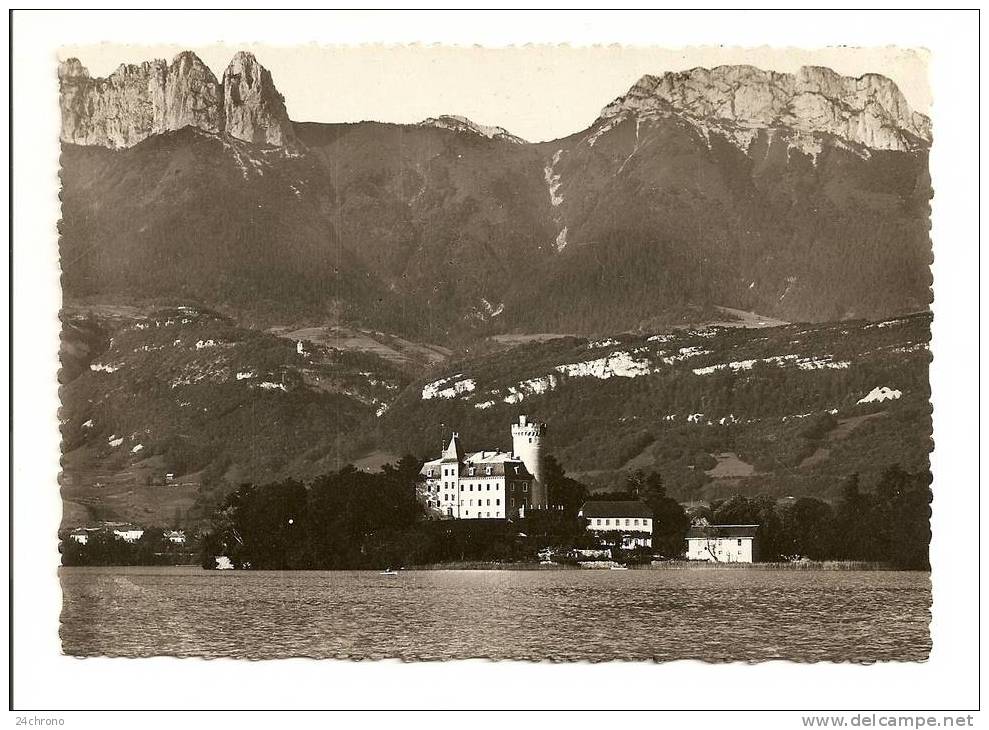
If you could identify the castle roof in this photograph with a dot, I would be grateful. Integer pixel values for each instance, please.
(453, 452)
(506, 467)
(710, 532)
(501, 463)
(490, 457)
(615, 508)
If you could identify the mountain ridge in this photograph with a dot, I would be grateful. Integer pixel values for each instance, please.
(138, 101)
(457, 123)
(274, 255)
(869, 109)
(452, 231)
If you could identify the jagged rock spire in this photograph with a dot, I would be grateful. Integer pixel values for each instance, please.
(253, 109)
(137, 101)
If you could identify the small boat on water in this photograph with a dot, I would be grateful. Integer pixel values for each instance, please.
(388, 571)
(618, 567)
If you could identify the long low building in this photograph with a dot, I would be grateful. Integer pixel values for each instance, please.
(723, 543)
(625, 522)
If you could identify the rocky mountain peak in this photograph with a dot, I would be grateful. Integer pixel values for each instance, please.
(72, 68)
(140, 100)
(466, 126)
(192, 95)
(253, 109)
(869, 110)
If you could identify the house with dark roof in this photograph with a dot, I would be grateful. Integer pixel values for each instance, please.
(723, 543)
(625, 522)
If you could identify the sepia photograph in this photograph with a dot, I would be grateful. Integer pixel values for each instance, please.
(547, 353)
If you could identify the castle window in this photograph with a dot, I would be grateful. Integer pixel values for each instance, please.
(470, 471)
(461, 487)
(487, 470)
(626, 522)
(607, 522)
(635, 522)
(489, 503)
(740, 542)
(489, 487)
(497, 503)
(525, 487)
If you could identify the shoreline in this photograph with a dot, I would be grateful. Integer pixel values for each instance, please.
(825, 565)
(814, 566)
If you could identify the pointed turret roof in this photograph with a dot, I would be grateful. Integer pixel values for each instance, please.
(454, 452)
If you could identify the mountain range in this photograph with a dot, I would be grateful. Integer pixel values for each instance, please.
(802, 196)
(248, 297)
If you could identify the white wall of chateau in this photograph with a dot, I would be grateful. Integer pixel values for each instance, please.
(474, 497)
(721, 549)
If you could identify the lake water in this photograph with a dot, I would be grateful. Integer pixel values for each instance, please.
(561, 615)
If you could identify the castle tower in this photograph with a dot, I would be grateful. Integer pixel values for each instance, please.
(527, 444)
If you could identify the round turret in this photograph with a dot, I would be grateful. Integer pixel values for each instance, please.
(527, 445)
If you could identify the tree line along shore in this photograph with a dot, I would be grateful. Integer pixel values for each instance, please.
(352, 520)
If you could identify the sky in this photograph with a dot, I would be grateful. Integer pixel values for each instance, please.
(536, 92)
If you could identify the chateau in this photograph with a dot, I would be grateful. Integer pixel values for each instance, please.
(488, 484)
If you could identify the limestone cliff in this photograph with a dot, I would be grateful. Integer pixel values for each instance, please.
(137, 101)
(464, 125)
(192, 95)
(869, 110)
(253, 109)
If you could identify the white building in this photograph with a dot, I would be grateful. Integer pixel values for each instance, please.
(81, 535)
(129, 533)
(628, 523)
(723, 543)
(487, 484)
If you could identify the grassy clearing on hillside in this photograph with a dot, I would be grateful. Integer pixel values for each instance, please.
(388, 347)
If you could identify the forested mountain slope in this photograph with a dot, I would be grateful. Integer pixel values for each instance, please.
(784, 410)
(690, 191)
